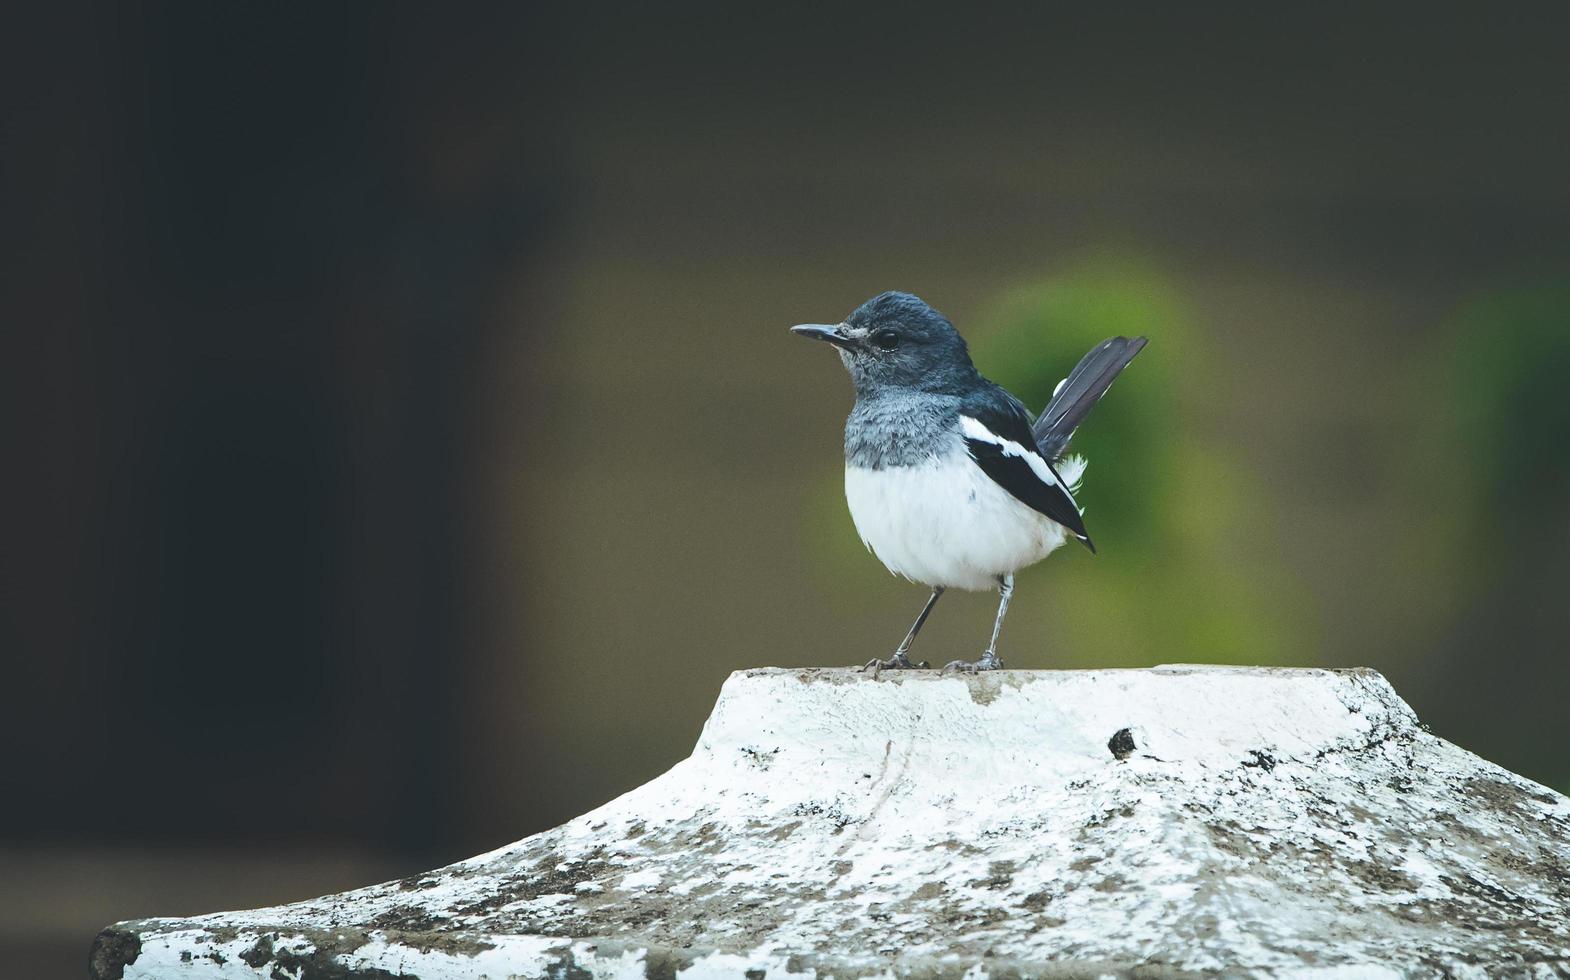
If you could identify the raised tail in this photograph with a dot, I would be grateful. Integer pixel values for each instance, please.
(1078, 393)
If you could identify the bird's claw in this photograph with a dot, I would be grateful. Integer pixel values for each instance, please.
(897, 662)
(988, 661)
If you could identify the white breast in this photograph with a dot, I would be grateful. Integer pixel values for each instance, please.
(944, 522)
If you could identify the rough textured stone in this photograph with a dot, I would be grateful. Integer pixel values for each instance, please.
(1177, 821)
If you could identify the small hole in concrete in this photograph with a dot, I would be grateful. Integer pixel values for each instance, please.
(1121, 745)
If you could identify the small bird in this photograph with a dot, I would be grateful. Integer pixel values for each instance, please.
(950, 482)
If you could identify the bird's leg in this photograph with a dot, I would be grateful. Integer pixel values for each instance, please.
(989, 660)
(1005, 592)
(901, 658)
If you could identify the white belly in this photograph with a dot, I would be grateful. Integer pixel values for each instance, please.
(944, 522)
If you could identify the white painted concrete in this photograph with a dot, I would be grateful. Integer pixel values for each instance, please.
(1266, 822)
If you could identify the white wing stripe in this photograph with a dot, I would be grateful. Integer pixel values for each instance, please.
(974, 429)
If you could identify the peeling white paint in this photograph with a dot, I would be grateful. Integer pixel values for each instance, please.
(1265, 822)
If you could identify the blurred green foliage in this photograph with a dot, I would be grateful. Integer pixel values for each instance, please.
(1164, 504)
(1505, 376)
(1483, 449)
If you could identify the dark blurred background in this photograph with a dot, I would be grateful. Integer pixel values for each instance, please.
(403, 441)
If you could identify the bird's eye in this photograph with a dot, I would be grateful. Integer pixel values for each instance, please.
(886, 339)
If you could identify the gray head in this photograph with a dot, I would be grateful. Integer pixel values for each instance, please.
(896, 341)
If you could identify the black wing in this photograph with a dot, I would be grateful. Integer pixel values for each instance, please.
(999, 439)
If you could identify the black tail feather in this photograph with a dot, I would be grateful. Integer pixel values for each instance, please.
(1080, 391)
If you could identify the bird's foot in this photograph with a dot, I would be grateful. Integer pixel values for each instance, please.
(897, 662)
(988, 661)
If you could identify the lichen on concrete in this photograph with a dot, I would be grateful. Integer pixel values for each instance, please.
(1167, 822)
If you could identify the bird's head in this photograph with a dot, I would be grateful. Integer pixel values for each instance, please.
(895, 340)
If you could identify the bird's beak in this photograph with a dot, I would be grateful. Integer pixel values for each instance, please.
(833, 333)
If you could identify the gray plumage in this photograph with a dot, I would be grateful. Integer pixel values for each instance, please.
(898, 427)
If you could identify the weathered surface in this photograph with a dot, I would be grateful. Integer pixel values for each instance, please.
(1168, 822)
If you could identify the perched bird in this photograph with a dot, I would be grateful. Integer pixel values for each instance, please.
(949, 480)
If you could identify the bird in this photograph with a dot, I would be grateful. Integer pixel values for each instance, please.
(951, 482)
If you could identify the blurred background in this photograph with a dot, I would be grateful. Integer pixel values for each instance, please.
(403, 440)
